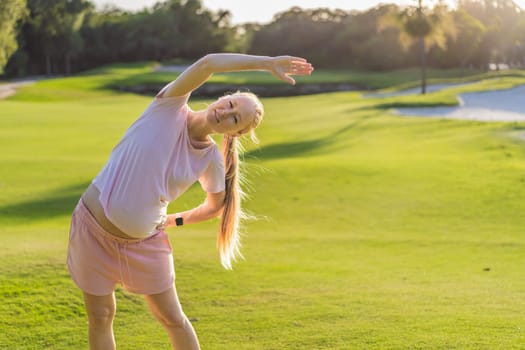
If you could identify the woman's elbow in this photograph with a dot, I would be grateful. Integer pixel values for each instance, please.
(212, 63)
(206, 63)
(217, 210)
(214, 210)
(215, 203)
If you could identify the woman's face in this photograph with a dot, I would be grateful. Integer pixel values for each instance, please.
(232, 115)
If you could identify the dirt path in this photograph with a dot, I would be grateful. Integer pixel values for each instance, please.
(9, 88)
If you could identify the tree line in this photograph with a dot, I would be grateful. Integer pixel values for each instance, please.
(67, 36)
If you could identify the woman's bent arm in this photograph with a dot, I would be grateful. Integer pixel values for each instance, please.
(199, 72)
(211, 208)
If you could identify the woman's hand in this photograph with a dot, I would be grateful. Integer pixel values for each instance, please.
(283, 66)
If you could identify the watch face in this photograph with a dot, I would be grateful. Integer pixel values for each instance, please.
(179, 221)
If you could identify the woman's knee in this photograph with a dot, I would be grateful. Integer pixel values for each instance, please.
(173, 318)
(167, 309)
(102, 315)
(100, 310)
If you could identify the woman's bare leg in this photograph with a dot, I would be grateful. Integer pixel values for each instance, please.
(101, 312)
(167, 309)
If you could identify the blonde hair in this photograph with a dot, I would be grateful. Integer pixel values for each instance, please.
(228, 238)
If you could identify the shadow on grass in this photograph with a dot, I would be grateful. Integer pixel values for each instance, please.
(286, 149)
(59, 202)
(301, 148)
(410, 104)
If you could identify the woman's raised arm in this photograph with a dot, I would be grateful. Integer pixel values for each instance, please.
(282, 67)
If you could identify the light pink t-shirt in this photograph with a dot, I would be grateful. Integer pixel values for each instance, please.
(152, 165)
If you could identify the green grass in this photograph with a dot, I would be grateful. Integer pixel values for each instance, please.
(370, 80)
(376, 231)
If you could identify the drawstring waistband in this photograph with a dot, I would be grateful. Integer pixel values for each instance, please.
(123, 251)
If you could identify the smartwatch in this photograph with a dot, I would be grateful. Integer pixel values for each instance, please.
(179, 221)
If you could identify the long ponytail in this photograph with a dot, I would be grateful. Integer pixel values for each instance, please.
(228, 238)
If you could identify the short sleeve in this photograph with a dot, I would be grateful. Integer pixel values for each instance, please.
(173, 101)
(212, 180)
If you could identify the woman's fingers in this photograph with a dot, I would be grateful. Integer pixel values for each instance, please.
(300, 71)
(301, 67)
(288, 62)
(284, 66)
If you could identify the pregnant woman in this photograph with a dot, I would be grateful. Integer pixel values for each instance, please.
(117, 233)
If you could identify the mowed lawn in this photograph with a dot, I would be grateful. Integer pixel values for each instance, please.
(375, 231)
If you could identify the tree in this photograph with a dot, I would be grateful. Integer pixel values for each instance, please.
(518, 55)
(424, 28)
(53, 33)
(359, 44)
(463, 49)
(74, 12)
(11, 12)
(42, 31)
(104, 35)
(503, 20)
(299, 32)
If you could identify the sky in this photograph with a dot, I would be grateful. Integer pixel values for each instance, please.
(262, 11)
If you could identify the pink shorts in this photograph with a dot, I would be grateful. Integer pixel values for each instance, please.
(98, 260)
